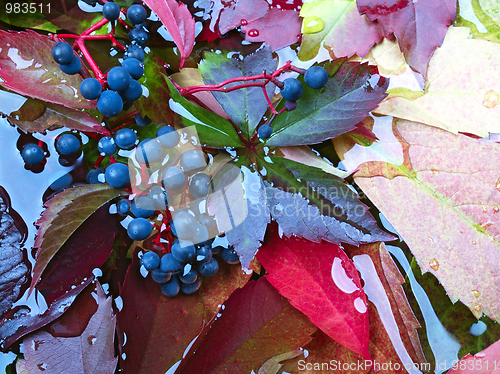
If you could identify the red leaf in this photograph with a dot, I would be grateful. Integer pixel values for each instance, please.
(27, 67)
(254, 325)
(159, 329)
(178, 21)
(320, 281)
(419, 26)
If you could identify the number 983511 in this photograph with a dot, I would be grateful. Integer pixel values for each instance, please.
(26, 8)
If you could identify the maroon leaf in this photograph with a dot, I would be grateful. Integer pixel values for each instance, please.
(159, 329)
(87, 249)
(320, 281)
(178, 21)
(27, 67)
(92, 352)
(419, 26)
(254, 325)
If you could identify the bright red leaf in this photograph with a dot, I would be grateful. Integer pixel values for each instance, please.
(322, 282)
(254, 325)
(27, 67)
(178, 21)
(419, 26)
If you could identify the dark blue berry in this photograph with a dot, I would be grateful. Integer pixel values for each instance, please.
(191, 288)
(117, 175)
(167, 136)
(169, 264)
(160, 276)
(62, 182)
(193, 161)
(143, 122)
(209, 268)
(32, 154)
(139, 229)
(136, 14)
(134, 51)
(189, 276)
(172, 287)
(316, 77)
(125, 138)
(290, 105)
(142, 206)
(160, 197)
(111, 11)
(229, 255)
(93, 176)
(67, 144)
(110, 103)
(123, 207)
(148, 151)
(173, 179)
(292, 89)
(90, 88)
(138, 35)
(106, 145)
(150, 260)
(199, 185)
(118, 78)
(265, 131)
(134, 66)
(183, 251)
(73, 67)
(132, 92)
(62, 53)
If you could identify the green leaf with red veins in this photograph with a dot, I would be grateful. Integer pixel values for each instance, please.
(27, 68)
(352, 91)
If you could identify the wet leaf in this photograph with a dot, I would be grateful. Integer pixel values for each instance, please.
(213, 130)
(158, 328)
(450, 186)
(67, 15)
(419, 26)
(308, 203)
(320, 280)
(245, 107)
(91, 353)
(155, 104)
(462, 89)
(27, 68)
(65, 213)
(38, 116)
(344, 32)
(261, 323)
(86, 249)
(177, 19)
(352, 91)
(485, 361)
(13, 271)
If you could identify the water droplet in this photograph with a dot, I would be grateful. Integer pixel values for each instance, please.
(91, 339)
(312, 25)
(477, 308)
(491, 99)
(497, 185)
(473, 242)
(434, 264)
(496, 209)
(253, 33)
(484, 210)
(476, 293)
(488, 56)
(360, 305)
(244, 22)
(340, 277)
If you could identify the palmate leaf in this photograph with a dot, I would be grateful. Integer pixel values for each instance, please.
(352, 91)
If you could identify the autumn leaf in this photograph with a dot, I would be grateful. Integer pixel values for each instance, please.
(65, 213)
(483, 20)
(90, 353)
(453, 100)
(177, 19)
(261, 324)
(484, 362)
(450, 186)
(419, 26)
(320, 281)
(27, 68)
(338, 27)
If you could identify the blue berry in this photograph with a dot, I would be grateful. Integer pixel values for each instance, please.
(62, 53)
(316, 77)
(172, 287)
(203, 253)
(106, 145)
(132, 92)
(125, 138)
(199, 185)
(123, 207)
(142, 206)
(67, 144)
(110, 103)
(189, 277)
(73, 67)
(32, 154)
(118, 78)
(134, 66)
(173, 179)
(160, 197)
(217, 249)
(185, 224)
(191, 288)
(265, 131)
(169, 264)
(148, 151)
(93, 176)
(160, 276)
(229, 255)
(209, 268)
(290, 105)
(111, 11)
(193, 161)
(62, 182)
(90, 88)
(134, 51)
(138, 35)
(136, 14)
(150, 260)
(117, 175)
(139, 228)
(167, 136)
(183, 251)
(143, 122)
(292, 89)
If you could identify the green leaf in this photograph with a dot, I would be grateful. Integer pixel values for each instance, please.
(65, 213)
(244, 106)
(350, 94)
(213, 130)
(487, 24)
